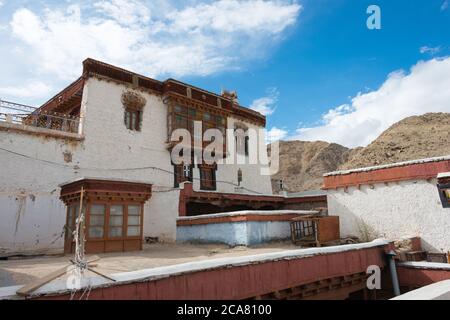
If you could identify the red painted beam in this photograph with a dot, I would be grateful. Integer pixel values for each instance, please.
(418, 277)
(426, 170)
(242, 281)
(188, 194)
(230, 219)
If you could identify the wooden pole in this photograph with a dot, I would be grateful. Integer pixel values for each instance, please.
(81, 235)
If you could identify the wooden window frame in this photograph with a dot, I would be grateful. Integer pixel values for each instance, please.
(109, 227)
(246, 139)
(108, 204)
(443, 188)
(74, 208)
(88, 220)
(191, 114)
(177, 182)
(213, 170)
(127, 225)
(134, 125)
(109, 193)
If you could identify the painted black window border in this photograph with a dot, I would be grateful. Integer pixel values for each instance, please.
(441, 188)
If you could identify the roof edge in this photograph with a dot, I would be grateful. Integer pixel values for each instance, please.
(387, 166)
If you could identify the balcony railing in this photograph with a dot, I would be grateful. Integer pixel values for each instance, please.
(11, 112)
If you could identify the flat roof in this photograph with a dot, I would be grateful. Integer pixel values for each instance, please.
(248, 212)
(157, 264)
(387, 166)
(443, 175)
(21, 271)
(311, 193)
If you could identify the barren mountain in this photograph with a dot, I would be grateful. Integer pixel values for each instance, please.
(412, 138)
(302, 164)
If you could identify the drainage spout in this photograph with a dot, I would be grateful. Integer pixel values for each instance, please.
(393, 270)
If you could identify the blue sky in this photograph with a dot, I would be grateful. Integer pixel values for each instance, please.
(312, 65)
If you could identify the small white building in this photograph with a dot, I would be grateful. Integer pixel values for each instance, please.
(407, 199)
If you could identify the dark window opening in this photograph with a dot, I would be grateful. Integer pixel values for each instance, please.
(246, 147)
(133, 119)
(444, 193)
(201, 208)
(183, 117)
(182, 173)
(242, 139)
(207, 177)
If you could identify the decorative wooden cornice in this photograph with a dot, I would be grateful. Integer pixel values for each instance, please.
(133, 100)
(199, 105)
(255, 201)
(98, 189)
(171, 87)
(238, 218)
(195, 96)
(65, 100)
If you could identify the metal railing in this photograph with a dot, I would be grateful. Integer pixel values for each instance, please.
(22, 114)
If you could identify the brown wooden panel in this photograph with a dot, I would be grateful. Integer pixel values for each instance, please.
(114, 246)
(95, 247)
(132, 245)
(329, 229)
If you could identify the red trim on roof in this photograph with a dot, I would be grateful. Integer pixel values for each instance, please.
(417, 171)
(238, 282)
(240, 218)
(75, 89)
(188, 194)
(100, 69)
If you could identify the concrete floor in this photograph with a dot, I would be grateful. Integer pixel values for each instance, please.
(22, 271)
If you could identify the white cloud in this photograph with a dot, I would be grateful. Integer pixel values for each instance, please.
(30, 90)
(236, 16)
(266, 105)
(445, 5)
(275, 134)
(429, 50)
(200, 39)
(126, 12)
(424, 89)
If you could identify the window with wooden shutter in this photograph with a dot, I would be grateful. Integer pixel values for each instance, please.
(133, 103)
(182, 173)
(97, 221)
(133, 119)
(207, 177)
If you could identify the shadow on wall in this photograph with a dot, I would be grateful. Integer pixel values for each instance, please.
(426, 246)
(195, 209)
(353, 225)
(367, 233)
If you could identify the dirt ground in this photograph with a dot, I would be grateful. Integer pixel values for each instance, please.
(22, 271)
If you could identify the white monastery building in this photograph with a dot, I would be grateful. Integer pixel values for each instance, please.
(105, 141)
(400, 200)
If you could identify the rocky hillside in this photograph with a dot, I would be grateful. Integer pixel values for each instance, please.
(412, 138)
(302, 164)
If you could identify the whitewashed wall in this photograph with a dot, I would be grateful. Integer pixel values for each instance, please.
(237, 233)
(161, 216)
(32, 216)
(396, 210)
(252, 179)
